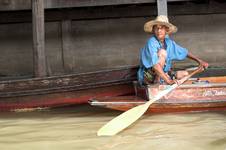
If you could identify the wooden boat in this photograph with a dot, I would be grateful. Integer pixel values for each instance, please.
(36, 93)
(197, 94)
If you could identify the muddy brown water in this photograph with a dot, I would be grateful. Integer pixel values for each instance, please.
(74, 128)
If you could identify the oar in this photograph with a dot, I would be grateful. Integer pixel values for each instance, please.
(127, 118)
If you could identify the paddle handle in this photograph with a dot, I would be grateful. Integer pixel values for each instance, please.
(181, 81)
(127, 118)
(172, 87)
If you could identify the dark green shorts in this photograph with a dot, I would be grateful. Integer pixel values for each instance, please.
(149, 76)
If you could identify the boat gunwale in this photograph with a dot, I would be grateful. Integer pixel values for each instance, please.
(94, 102)
(201, 85)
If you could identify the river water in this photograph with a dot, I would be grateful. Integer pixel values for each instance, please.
(74, 128)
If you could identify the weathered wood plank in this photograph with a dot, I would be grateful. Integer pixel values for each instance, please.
(162, 7)
(40, 66)
(114, 12)
(67, 82)
(66, 45)
(61, 99)
(75, 82)
(6, 5)
(89, 3)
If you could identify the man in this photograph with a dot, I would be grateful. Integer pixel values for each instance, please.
(159, 52)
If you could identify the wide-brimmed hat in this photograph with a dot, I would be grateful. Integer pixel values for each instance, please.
(160, 20)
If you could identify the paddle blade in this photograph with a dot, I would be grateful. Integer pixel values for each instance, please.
(123, 121)
(127, 118)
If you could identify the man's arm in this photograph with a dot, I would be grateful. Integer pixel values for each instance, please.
(199, 61)
(159, 71)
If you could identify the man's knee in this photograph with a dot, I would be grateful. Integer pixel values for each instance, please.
(162, 53)
(181, 74)
(162, 57)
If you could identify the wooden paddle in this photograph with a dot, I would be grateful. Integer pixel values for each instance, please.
(127, 118)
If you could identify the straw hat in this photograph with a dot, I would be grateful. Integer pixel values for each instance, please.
(160, 20)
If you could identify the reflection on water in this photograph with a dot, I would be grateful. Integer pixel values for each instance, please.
(75, 128)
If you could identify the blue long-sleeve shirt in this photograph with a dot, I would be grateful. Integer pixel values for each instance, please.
(149, 55)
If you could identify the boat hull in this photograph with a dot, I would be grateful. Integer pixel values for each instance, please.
(58, 91)
(209, 96)
(125, 103)
(52, 100)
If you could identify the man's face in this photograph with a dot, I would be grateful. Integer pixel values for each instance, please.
(160, 31)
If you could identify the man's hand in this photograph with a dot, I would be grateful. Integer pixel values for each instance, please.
(204, 64)
(171, 82)
(201, 62)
